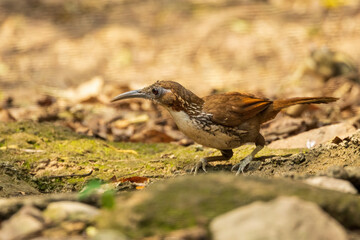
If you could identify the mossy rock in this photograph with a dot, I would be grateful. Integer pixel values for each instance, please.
(193, 201)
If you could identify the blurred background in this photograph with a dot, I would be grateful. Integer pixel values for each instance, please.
(274, 48)
(204, 44)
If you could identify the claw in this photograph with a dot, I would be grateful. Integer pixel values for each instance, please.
(234, 167)
(202, 163)
(242, 165)
(241, 169)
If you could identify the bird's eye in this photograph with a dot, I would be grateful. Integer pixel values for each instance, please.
(155, 91)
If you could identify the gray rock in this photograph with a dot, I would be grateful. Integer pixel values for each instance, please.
(68, 210)
(353, 175)
(349, 173)
(189, 201)
(109, 234)
(332, 184)
(337, 172)
(9, 206)
(195, 233)
(27, 221)
(281, 219)
(318, 136)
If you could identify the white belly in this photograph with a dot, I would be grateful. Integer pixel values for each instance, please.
(214, 138)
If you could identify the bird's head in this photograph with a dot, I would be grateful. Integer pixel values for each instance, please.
(171, 95)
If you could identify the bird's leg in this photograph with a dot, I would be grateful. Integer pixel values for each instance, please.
(260, 143)
(225, 155)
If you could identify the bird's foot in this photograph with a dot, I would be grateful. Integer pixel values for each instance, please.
(202, 163)
(242, 165)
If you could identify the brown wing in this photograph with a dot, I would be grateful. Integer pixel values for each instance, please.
(232, 109)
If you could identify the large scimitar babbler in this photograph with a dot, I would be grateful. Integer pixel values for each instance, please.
(222, 121)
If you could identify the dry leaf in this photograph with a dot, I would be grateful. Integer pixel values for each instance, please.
(336, 140)
(46, 101)
(151, 136)
(5, 116)
(123, 123)
(133, 182)
(86, 91)
(113, 179)
(135, 179)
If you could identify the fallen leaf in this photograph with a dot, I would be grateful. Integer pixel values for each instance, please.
(123, 123)
(5, 116)
(135, 182)
(150, 136)
(113, 179)
(185, 142)
(336, 140)
(79, 128)
(86, 91)
(135, 179)
(46, 101)
(7, 102)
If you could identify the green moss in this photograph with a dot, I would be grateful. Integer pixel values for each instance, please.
(190, 201)
(60, 151)
(66, 152)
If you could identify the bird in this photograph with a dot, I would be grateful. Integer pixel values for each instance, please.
(222, 121)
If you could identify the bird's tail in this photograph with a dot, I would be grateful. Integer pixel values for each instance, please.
(280, 104)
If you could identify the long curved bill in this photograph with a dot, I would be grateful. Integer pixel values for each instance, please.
(130, 94)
